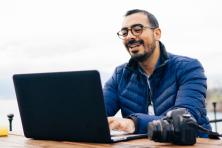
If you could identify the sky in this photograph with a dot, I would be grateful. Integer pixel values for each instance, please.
(68, 35)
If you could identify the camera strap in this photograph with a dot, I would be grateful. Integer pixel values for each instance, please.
(211, 134)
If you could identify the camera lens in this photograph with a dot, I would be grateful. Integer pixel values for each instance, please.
(154, 130)
(160, 130)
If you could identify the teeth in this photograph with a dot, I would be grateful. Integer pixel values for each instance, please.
(132, 46)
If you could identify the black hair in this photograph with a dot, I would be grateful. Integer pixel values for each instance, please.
(151, 18)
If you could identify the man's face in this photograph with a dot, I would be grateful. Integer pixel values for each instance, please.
(140, 47)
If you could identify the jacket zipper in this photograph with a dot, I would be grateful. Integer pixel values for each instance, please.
(149, 97)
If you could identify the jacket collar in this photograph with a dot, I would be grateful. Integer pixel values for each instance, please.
(164, 57)
(162, 61)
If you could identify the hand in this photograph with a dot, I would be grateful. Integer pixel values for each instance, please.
(121, 124)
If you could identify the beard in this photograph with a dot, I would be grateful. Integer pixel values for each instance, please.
(141, 57)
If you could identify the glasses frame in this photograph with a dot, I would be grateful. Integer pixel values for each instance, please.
(130, 29)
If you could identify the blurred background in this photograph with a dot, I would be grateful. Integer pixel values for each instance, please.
(67, 35)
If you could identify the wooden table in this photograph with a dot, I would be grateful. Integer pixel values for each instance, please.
(19, 141)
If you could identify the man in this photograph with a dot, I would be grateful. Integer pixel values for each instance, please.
(152, 77)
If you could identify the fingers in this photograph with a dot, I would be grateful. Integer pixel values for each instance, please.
(121, 124)
(113, 123)
(111, 119)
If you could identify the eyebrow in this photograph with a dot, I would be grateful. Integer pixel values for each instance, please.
(131, 26)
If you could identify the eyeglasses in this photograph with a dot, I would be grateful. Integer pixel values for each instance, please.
(136, 30)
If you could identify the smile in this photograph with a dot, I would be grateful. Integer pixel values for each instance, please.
(134, 45)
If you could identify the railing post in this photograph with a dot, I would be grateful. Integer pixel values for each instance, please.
(10, 118)
(215, 116)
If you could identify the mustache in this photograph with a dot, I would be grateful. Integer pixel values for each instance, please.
(130, 42)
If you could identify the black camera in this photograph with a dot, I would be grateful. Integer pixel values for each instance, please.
(176, 128)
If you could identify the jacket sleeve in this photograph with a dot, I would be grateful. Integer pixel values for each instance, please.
(110, 93)
(141, 120)
(192, 91)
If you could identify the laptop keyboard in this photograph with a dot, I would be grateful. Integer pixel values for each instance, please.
(117, 133)
(128, 137)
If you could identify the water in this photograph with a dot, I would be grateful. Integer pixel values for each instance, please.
(10, 106)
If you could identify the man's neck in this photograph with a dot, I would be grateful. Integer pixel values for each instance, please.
(149, 65)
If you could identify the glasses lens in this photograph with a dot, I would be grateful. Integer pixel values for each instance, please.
(137, 30)
(124, 32)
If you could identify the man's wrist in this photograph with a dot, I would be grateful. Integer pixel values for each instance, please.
(131, 126)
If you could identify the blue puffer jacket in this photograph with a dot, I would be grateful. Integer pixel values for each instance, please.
(177, 82)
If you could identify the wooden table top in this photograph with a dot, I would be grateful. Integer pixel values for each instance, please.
(19, 141)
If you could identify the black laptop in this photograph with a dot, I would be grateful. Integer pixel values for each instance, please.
(65, 106)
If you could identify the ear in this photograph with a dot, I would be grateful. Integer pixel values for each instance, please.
(157, 33)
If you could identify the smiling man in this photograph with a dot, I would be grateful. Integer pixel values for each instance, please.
(154, 81)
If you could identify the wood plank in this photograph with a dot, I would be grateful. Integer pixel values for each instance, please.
(19, 141)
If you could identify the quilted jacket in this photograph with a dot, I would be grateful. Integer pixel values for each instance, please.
(177, 82)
